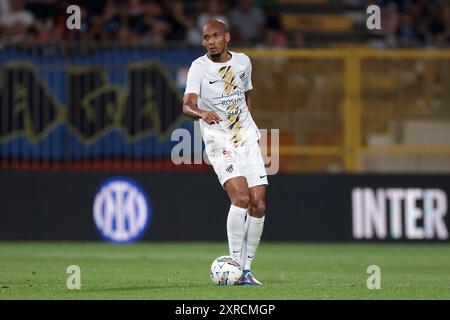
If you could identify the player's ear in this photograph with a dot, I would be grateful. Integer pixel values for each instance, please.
(227, 37)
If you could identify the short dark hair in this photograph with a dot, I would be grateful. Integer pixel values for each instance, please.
(218, 21)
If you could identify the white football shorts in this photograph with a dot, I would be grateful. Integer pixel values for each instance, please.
(245, 161)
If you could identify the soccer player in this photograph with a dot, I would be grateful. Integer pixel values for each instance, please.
(218, 94)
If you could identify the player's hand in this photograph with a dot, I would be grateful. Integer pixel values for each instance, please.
(210, 117)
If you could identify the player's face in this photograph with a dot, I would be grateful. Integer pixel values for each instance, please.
(214, 39)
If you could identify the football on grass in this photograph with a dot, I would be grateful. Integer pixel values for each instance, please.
(225, 271)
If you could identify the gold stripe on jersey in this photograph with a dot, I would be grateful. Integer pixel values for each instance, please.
(223, 71)
(234, 124)
(226, 73)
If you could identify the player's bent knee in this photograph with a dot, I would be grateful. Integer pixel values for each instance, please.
(242, 201)
(258, 209)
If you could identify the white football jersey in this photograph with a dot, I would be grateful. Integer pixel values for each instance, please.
(221, 88)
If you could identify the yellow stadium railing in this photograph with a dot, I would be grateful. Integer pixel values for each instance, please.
(359, 96)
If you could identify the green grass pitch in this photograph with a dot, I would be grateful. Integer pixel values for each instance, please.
(177, 271)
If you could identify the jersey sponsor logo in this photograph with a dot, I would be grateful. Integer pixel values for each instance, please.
(211, 82)
(230, 168)
(122, 210)
(228, 102)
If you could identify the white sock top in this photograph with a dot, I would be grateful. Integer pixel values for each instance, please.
(238, 209)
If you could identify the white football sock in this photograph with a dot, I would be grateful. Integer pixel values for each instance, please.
(244, 244)
(235, 230)
(254, 233)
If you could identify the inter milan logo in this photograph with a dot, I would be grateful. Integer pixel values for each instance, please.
(230, 168)
(122, 210)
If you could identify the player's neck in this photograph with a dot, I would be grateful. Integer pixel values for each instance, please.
(223, 57)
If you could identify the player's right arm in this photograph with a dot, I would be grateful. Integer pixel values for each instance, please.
(191, 109)
(192, 91)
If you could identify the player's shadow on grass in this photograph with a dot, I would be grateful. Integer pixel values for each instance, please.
(140, 288)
